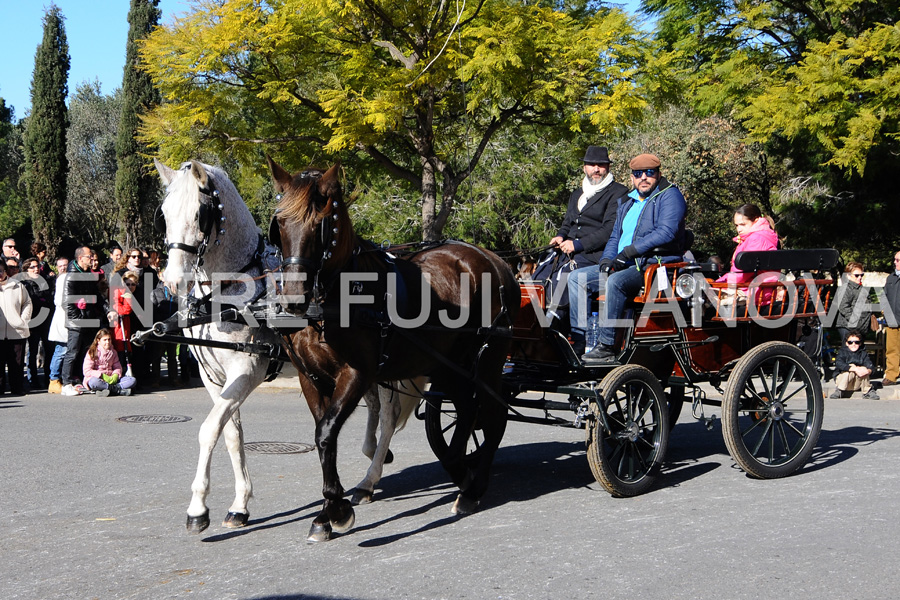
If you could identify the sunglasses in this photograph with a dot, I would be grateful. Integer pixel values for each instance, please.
(134, 256)
(853, 342)
(637, 173)
(856, 275)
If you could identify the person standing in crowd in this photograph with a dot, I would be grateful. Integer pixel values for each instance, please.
(58, 335)
(849, 318)
(13, 267)
(84, 313)
(892, 332)
(122, 301)
(15, 313)
(39, 251)
(62, 265)
(853, 366)
(9, 248)
(115, 254)
(41, 295)
(649, 228)
(102, 369)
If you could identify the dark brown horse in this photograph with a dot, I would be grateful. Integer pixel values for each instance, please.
(443, 311)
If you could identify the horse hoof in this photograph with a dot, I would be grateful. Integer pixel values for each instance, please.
(233, 520)
(345, 525)
(389, 458)
(464, 506)
(197, 524)
(360, 497)
(319, 532)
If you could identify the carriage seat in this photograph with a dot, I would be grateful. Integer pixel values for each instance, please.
(808, 293)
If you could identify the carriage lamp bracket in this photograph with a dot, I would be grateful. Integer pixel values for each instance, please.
(697, 409)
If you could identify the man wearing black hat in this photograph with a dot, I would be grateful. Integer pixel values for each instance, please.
(649, 227)
(592, 210)
(586, 227)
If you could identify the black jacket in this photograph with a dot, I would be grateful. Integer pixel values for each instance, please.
(850, 297)
(592, 225)
(847, 357)
(892, 294)
(81, 289)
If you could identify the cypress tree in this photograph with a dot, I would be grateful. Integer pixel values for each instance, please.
(137, 189)
(46, 165)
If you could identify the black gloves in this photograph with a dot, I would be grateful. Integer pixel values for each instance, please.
(625, 258)
(605, 265)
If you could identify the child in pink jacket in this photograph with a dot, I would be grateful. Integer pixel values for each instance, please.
(754, 233)
(102, 369)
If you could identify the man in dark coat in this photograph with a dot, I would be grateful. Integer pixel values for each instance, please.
(585, 229)
(85, 313)
(892, 333)
(592, 211)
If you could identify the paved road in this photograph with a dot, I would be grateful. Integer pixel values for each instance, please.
(93, 507)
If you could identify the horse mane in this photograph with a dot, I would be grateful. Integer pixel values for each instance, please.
(298, 205)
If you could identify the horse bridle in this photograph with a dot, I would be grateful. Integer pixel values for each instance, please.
(327, 235)
(209, 218)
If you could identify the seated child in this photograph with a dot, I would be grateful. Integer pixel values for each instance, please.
(854, 367)
(102, 369)
(754, 233)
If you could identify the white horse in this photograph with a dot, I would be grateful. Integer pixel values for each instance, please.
(212, 236)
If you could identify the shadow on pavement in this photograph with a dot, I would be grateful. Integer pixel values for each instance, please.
(837, 446)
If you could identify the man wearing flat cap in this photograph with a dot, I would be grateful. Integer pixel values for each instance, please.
(649, 228)
(585, 229)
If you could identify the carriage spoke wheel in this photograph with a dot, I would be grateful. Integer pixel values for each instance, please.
(772, 410)
(626, 442)
(440, 425)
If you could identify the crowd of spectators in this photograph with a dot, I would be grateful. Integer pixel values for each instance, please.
(66, 328)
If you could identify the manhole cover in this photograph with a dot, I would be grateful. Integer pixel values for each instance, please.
(154, 419)
(278, 447)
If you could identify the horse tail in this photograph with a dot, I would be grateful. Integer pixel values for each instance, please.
(410, 392)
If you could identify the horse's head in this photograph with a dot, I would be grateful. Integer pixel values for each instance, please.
(190, 215)
(313, 230)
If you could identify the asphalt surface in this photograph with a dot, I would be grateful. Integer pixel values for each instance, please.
(94, 507)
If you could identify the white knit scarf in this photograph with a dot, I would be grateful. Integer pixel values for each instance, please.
(589, 190)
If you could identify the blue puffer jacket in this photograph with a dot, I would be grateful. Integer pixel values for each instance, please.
(660, 228)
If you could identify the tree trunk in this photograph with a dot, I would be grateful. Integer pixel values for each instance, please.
(430, 230)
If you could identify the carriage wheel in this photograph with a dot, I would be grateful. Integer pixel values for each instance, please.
(440, 423)
(626, 442)
(772, 410)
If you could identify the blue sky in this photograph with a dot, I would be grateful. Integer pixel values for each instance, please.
(96, 31)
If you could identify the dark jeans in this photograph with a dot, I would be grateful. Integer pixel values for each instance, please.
(78, 342)
(38, 335)
(620, 286)
(12, 365)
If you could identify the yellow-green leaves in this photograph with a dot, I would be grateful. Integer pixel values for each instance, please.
(845, 92)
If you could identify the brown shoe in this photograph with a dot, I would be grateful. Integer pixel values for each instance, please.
(55, 387)
(886, 382)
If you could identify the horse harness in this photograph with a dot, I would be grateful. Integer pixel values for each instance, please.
(210, 219)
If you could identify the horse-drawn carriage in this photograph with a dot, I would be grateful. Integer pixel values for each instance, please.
(454, 312)
(689, 339)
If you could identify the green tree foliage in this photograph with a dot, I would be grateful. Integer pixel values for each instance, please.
(816, 84)
(137, 188)
(14, 211)
(92, 214)
(389, 86)
(45, 133)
